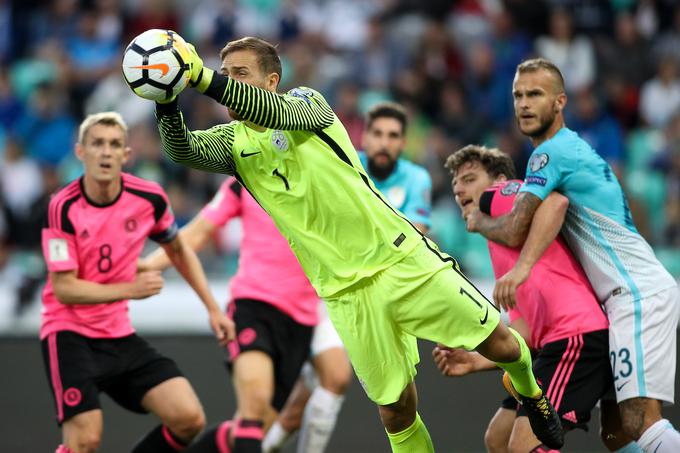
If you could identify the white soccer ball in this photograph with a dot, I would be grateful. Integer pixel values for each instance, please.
(156, 64)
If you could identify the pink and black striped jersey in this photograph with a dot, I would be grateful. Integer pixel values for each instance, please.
(102, 243)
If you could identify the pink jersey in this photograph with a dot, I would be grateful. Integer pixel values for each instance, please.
(102, 243)
(268, 270)
(557, 300)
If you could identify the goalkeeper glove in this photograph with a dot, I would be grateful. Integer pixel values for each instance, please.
(200, 76)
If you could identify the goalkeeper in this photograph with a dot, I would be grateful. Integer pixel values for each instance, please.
(384, 283)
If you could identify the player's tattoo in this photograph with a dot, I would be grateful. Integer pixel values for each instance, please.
(512, 229)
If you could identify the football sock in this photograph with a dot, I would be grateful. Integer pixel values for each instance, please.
(632, 447)
(412, 439)
(520, 372)
(661, 437)
(159, 440)
(318, 420)
(213, 440)
(275, 438)
(248, 436)
(63, 449)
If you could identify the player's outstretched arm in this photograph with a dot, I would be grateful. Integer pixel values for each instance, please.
(188, 265)
(71, 290)
(545, 226)
(299, 109)
(459, 362)
(208, 150)
(195, 235)
(510, 229)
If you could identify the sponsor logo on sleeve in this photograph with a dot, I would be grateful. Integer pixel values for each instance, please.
(538, 161)
(536, 180)
(58, 250)
(302, 94)
(510, 188)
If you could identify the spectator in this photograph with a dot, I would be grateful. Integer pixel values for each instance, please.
(660, 96)
(597, 127)
(574, 55)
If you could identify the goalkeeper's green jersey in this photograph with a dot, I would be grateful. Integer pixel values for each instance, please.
(301, 167)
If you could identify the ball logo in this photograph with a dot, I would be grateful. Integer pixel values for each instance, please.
(247, 336)
(72, 396)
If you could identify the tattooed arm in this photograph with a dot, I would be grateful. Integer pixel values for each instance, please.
(510, 229)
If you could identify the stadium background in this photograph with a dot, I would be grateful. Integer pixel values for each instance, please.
(449, 62)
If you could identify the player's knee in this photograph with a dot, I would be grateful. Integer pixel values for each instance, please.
(633, 413)
(188, 423)
(494, 442)
(255, 403)
(337, 380)
(86, 442)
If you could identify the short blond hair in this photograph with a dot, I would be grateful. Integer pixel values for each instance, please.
(105, 118)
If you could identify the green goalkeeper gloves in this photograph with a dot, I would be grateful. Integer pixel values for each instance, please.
(200, 76)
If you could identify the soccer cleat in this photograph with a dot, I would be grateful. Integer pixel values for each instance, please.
(543, 418)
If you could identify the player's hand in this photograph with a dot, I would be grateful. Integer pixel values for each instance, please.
(200, 76)
(224, 328)
(146, 284)
(453, 361)
(473, 219)
(506, 287)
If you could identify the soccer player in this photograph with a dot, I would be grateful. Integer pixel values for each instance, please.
(407, 187)
(562, 315)
(273, 305)
(640, 297)
(383, 282)
(94, 233)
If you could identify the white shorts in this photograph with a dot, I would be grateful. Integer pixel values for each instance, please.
(642, 336)
(325, 336)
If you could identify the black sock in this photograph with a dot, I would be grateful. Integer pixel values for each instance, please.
(159, 440)
(213, 440)
(248, 436)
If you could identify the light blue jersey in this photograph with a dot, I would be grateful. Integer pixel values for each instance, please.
(408, 189)
(598, 226)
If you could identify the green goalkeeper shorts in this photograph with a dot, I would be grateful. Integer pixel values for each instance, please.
(422, 296)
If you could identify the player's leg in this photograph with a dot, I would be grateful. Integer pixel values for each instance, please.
(317, 397)
(446, 308)
(611, 431)
(290, 419)
(497, 434)
(334, 374)
(71, 366)
(383, 356)
(176, 404)
(642, 337)
(145, 381)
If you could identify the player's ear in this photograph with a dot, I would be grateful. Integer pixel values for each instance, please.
(79, 151)
(272, 81)
(126, 154)
(560, 102)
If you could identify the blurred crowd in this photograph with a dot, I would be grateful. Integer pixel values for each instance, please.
(451, 63)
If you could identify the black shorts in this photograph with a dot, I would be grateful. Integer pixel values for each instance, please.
(78, 368)
(574, 374)
(262, 327)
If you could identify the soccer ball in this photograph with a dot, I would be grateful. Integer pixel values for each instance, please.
(156, 64)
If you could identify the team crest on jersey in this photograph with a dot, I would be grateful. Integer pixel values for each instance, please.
(538, 161)
(130, 225)
(279, 140)
(396, 196)
(510, 188)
